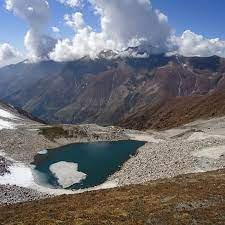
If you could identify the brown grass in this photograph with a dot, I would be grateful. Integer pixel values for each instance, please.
(177, 111)
(188, 199)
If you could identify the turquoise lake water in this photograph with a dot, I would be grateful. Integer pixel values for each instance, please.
(97, 160)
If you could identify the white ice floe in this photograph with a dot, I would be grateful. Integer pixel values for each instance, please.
(202, 136)
(23, 175)
(6, 124)
(67, 173)
(211, 153)
(7, 115)
(43, 152)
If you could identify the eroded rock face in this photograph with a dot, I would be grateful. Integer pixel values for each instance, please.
(4, 166)
(67, 173)
(106, 91)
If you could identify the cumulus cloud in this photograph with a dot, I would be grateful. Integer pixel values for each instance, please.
(130, 23)
(8, 54)
(55, 29)
(38, 45)
(123, 24)
(71, 3)
(124, 21)
(192, 44)
(36, 14)
(75, 21)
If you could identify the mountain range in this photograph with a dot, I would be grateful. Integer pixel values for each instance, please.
(140, 92)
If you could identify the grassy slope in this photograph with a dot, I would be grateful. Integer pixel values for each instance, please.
(188, 199)
(177, 111)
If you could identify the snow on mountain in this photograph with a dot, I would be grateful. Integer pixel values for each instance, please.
(10, 117)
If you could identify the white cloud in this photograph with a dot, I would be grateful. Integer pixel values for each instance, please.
(75, 21)
(191, 44)
(8, 54)
(126, 20)
(55, 29)
(38, 45)
(36, 14)
(123, 23)
(71, 3)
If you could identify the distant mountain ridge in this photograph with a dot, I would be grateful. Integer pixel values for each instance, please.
(177, 111)
(108, 89)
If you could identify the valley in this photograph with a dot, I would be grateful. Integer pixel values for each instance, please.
(112, 112)
(171, 107)
(114, 90)
(195, 147)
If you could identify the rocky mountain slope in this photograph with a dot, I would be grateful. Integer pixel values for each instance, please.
(177, 111)
(187, 199)
(108, 89)
(12, 117)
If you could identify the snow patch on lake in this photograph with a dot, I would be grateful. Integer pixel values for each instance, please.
(23, 175)
(67, 173)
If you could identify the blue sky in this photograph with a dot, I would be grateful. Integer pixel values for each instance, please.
(204, 17)
(14, 29)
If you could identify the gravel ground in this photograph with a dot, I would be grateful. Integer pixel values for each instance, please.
(24, 143)
(14, 194)
(176, 153)
(167, 159)
(166, 154)
(4, 165)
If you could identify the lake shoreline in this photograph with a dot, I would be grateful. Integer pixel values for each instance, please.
(98, 160)
(166, 154)
(24, 142)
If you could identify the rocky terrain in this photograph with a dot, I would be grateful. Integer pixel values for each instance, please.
(11, 194)
(4, 165)
(22, 144)
(108, 90)
(22, 138)
(195, 147)
(177, 111)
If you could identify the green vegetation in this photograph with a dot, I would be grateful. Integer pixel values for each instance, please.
(54, 132)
